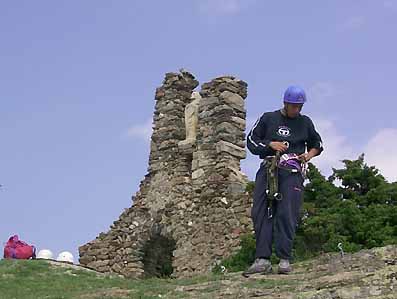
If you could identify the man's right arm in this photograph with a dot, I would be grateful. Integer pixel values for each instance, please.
(256, 142)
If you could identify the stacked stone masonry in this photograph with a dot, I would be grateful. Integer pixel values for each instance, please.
(194, 192)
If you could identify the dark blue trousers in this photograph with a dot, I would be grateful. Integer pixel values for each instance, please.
(282, 226)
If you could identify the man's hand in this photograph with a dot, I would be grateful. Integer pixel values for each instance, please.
(305, 157)
(278, 146)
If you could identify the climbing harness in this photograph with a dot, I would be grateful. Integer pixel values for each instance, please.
(288, 162)
(271, 165)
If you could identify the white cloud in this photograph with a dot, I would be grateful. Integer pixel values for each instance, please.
(141, 131)
(336, 147)
(381, 152)
(321, 91)
(222, 7)
(390, 4)
(353, 23)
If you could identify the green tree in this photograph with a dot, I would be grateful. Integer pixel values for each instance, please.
(360, 213)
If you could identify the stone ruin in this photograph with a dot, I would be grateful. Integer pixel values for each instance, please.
(192, 206)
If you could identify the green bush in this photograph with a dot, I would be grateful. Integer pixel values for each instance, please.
(240, 260)
(361, 213)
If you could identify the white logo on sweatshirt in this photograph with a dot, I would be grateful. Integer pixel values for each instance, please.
(283, 131)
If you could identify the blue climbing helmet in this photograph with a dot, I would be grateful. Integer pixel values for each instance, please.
(295, 95)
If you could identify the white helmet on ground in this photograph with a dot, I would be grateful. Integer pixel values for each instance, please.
(65, 256)
(45, 254)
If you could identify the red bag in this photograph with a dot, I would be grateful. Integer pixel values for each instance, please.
(17, 249)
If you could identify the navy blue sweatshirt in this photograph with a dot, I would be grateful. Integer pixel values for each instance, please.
(299, 133)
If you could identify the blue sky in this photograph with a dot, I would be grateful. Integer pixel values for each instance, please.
(77, 82)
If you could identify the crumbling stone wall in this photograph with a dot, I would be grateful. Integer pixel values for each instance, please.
(191, 205)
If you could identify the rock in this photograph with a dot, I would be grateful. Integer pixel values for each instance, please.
(224, 200)
(178, 213)
(233, 100)
(227, 147)
(198, 173)
(228, 128)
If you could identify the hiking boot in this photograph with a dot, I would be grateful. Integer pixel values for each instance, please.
(284, 267)
(261, 265)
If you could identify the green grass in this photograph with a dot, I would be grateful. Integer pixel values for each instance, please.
(35, 279)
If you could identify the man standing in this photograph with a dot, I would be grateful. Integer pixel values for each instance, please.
(281, 139)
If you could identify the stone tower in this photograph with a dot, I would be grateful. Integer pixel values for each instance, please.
(191, 207)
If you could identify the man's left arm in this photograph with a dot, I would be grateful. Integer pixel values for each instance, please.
(314, 143)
